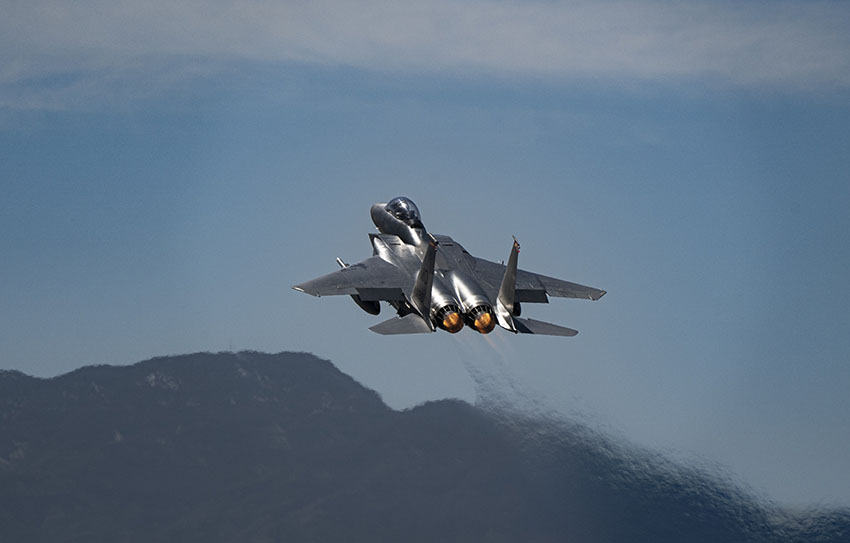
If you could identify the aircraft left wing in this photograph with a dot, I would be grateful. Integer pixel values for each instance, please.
(533, 287)
(373, 279)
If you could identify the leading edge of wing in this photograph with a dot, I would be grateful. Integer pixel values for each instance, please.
(372, 279)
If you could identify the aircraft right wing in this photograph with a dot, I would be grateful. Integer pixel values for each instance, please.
(373, 279)
(533, 287)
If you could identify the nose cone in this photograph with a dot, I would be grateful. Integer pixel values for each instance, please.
(452, 322)
(484, 323)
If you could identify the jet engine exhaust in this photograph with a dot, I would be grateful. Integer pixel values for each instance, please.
(482, 318)
(449, 319)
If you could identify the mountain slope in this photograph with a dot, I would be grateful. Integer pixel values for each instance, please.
(257, 447)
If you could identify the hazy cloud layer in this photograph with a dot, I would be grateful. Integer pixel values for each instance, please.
(787, 45)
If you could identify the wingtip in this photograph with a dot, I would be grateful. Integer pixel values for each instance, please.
(299, 288)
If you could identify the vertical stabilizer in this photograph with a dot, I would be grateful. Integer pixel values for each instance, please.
(421, 295)
(507, 292)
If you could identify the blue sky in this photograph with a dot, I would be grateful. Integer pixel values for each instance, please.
(168, 172)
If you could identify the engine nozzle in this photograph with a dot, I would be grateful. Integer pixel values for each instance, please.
(482, 319)
(449, 319)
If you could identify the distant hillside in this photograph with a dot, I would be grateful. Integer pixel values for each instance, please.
(285, 447)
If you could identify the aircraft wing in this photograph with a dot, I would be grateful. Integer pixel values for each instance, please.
(533, 287)
(373, 279)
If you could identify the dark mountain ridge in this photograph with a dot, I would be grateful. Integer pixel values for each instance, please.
(259, 447)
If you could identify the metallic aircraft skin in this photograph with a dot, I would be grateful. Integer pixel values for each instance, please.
(433, 282)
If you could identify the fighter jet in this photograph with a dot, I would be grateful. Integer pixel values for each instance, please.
(433, 282)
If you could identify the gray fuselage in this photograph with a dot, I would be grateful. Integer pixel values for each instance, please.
(455, 287)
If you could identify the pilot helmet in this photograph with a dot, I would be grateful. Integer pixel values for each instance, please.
(405, 210)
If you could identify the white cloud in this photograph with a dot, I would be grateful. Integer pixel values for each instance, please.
(777, 44)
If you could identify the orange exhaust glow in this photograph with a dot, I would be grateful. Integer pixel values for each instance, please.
(452, 322)
(484, 323)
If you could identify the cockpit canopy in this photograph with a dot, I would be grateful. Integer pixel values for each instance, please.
(406, 211)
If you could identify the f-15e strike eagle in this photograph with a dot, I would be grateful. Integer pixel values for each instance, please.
(433, 282)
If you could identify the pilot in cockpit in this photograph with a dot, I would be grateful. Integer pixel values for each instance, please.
(406, 211)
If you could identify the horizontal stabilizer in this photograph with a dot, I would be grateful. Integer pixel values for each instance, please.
(531, 326)
(409, 324)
